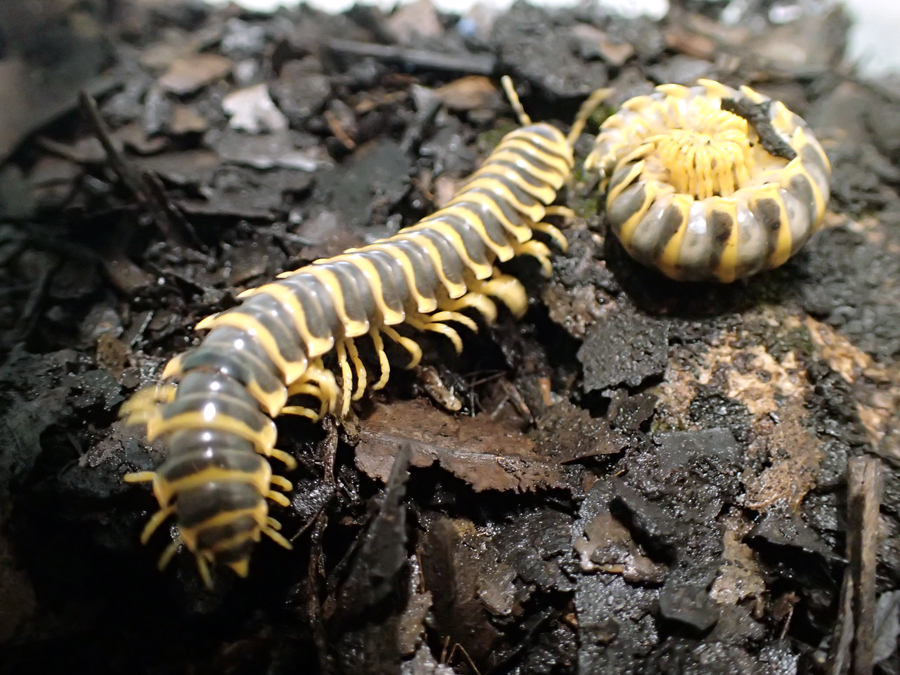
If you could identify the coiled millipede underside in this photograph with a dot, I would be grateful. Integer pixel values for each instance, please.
(709, 182)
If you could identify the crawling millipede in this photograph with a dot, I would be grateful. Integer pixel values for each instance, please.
(210, 407)
(709, 182)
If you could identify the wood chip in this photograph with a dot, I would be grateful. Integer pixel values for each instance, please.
(190, 73)
(473, 92)
(865, 485)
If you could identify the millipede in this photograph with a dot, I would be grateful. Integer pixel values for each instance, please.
(271, 354)
(710, 183)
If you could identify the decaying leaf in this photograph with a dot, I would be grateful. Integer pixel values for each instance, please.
(188, 74)
(486, 454)
(794, 455)
(568, 433)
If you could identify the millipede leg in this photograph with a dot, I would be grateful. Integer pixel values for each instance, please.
(477, 301)
(382, 359)
(361, 375)
(324, 378)
(289, 462)
(554, 233)
(561, 211)
(274, 535)
(536, 250)
(278, 498)
(310, 390)
(203, 568)
(507, 289)
(409, 345)
(457, 317)
(139, 477)
(173, 368)
(305, 387)
(240, 567)
(155, 521)
(440, 328)
(167, 555)
(300, 411)
(271, 522)
(346, 378)
(281, 483)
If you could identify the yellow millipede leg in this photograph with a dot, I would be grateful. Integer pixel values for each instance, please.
(273, 534)
(240, 567)
(139, 477)
(278, 498)
(361, 375)
(308, 389)
(538, 251)
(203, 568)
(167, 555)
(346, 378)
(554, 233)
(440, 328)
(382, 360)
(281, 483)
(454, 316)
(408, 344)
(301, 411)
(477, 301)
(561, 211)
(155, 521)
(325, 381)
(508, 289)
(289, 462)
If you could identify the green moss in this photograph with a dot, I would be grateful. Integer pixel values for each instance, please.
(797, 340)
(586, 207)
(490, 139)
(583, 202)
(598, 117)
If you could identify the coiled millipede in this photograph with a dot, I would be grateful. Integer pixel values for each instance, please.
(709, 182)
(216, 419)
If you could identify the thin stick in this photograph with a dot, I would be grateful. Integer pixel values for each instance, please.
(865, 484)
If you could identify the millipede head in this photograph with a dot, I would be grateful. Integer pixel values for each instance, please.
(144, 404)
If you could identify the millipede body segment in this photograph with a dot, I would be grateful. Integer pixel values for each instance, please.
(710, 182)
(267, 356)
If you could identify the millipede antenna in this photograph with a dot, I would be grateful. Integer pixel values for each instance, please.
(587, 109)
(514, 101)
